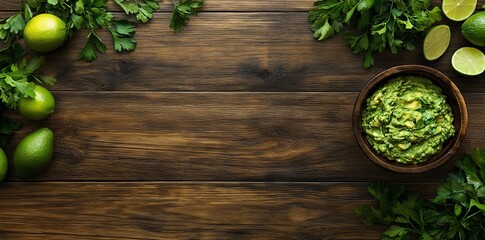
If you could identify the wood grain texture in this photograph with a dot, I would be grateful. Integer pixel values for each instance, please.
(228, 6)
(237, 128)
(215, 5)
(216, 136)
(234, 52)
(123, 211)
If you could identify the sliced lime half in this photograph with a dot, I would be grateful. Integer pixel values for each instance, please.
(458, 10)
(468, 61)
(436, 42)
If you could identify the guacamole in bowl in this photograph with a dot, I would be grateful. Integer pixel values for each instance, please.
(407, 120)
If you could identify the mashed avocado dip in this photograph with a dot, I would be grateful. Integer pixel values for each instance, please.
(407, 119)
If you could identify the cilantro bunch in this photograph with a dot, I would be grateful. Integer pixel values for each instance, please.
(373, 25)
(456, 212)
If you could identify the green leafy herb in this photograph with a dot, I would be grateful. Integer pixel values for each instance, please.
(18, 76)
(181, 12)
(7, 128)
(456, 212)
(11, 28)
(375, 25)
(143, 10)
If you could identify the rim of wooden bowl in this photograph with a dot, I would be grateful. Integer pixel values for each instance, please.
(454, 98)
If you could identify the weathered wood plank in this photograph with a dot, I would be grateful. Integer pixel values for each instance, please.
(234, 52)
(224, 5)
(216, 136)
(299, 211)
(215, 5)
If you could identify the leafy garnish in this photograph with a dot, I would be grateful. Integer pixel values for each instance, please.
(456, 212)
(375, 25)
(11, 28)
(181, 12)
(142, 9)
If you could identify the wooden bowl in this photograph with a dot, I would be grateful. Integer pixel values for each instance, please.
(454, 98)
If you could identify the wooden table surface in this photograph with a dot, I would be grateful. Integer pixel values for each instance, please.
(237, 128)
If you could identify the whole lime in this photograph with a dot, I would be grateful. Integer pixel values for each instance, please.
(39, 107)
(45, 32)
(3, 165)
(33, 154)
(473, 29)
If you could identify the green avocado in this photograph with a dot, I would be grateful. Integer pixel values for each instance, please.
(407, 120)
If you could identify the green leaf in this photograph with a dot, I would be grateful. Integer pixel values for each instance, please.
(92, 47)
(325, 32)
(458, 209)
(370, 215)
(443, 192)
(123, 35)
(395, 231)
(470, 169)
(481, 192)
(435, 15)
(368, 60)
(76, 21)
(143, 10)
(123, 44)
(124, 27)
(34, 64)
(128, 7)
(380, 29)
(365, 5)
(32, 3)
(27, 13)
(478, 157)
(409, 25)
(474, 203)
(48, 80)
(16, 23)
(53, 2)
(182, 11)
(349, 14)
(79, 7)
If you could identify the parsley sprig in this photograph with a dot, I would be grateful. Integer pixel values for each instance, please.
(374, 25)
(11, 28)
(181, 12)
(456, 212)
(142, 9)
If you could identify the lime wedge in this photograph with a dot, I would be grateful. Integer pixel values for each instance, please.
(436, 42)
(458, 10)
(468, 61)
